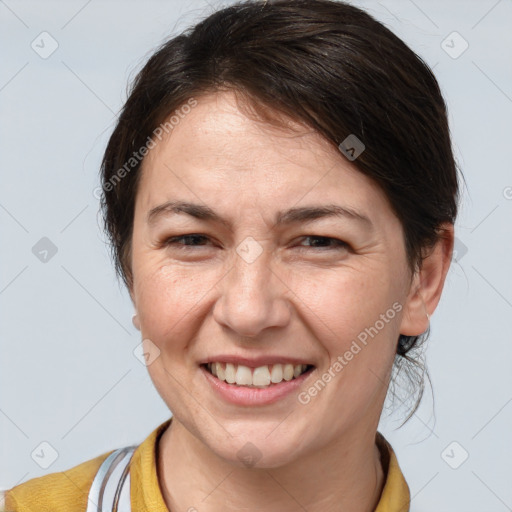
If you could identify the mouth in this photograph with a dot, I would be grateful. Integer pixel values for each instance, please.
(262, 377)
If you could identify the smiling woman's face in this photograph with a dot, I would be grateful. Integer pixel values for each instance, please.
(268, 291)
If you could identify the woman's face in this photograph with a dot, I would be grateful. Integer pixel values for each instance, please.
(261, 282)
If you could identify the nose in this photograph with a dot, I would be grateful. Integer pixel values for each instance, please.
(252, 297)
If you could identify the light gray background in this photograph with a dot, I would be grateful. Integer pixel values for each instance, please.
(68, 374)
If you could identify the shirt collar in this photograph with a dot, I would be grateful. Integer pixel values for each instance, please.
(395, 496)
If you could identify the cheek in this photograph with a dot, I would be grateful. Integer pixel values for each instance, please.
(355, 315)
(168, 304)
(167, 298)
(344, 304)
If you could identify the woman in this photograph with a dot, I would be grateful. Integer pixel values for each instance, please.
(280, 194)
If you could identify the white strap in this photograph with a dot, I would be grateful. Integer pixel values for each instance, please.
(110, 489)
(125, 504)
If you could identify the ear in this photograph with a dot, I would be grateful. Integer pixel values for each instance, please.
(427, 284)
(136, 322)
(135, 318)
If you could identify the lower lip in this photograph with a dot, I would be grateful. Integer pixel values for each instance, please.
(243, 395)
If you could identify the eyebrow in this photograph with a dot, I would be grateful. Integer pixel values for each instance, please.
(290, 216)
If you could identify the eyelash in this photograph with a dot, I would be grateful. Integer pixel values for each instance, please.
(339, 244)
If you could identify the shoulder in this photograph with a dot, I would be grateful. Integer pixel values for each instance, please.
(68, 491)
(395, 496)
(56, 492)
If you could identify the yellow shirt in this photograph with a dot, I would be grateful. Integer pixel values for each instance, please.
(67, 491)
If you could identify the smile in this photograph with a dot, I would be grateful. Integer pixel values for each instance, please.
(261, 377)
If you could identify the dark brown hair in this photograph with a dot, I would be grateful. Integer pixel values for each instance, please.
(325, 64)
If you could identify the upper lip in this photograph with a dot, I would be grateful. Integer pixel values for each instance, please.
(254, 362)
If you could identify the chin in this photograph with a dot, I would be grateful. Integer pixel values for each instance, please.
(256, 447)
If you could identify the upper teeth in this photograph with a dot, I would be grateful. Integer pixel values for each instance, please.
(261, 376)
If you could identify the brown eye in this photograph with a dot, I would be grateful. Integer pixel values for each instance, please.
(186, 241)
(325, 242)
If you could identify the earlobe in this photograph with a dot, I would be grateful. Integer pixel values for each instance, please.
(135, 318)
(427, 285)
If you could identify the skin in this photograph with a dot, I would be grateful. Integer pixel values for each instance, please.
(295, 299)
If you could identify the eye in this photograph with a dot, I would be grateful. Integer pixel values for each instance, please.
(186, 241)
(325, 242)
(191, 240)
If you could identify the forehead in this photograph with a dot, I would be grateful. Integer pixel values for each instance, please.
(216, 129)
(216, 153)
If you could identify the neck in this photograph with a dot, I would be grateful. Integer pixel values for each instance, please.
(347, 476)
